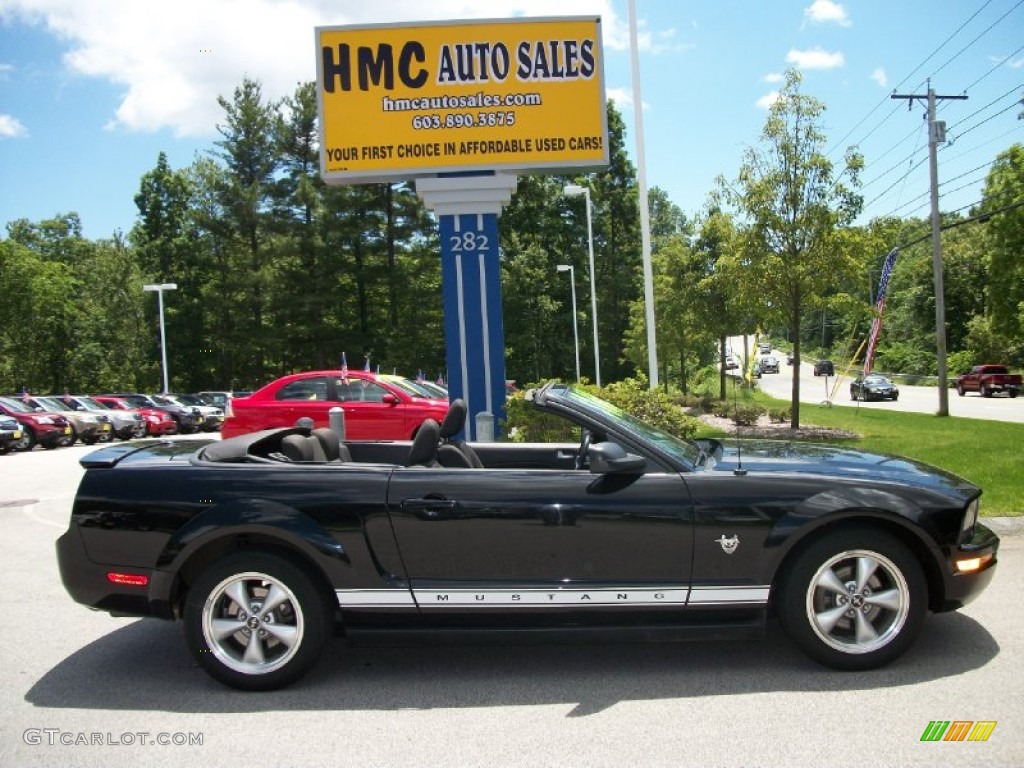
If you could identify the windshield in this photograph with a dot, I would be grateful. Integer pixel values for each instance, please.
(93, 405)
(53, 404)
(16, 405)
(407, 386)
(682, 450)
(191, 399)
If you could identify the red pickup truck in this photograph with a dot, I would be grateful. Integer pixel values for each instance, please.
(988, 379)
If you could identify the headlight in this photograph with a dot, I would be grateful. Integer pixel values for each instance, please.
(970, 520)
(46, 420)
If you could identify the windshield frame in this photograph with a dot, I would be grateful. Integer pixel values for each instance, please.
(568, 401)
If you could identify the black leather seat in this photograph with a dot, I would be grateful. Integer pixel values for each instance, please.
(303, 449)
(333, 448)
(424, 446)
(456, 453)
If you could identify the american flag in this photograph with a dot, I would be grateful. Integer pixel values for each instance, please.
(419, 375)
(876, 324)
(366, 365)
(344, 368)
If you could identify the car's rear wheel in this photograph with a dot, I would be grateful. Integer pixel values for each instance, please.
(256, 621)
(1013, 393)
(984, 391)
(960, 389)
(855, 599)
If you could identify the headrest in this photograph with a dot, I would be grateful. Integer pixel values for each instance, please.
(332, 447)
(301, 448)
(455, 420)
(424, 445)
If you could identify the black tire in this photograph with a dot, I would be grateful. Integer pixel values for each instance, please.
(27, 441)
(960, 389)
(984, 391)
(1013, 392)
(823, 621)
(304, 614)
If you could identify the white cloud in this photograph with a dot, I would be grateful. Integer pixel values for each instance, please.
(623, 98)
(826, 11)
(880, 77)
(11, 127)
(5, 70)
(815, 58)
(773, 77)
(766, 101)
(172, 60)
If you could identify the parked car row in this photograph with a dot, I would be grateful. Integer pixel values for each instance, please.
(52, 421)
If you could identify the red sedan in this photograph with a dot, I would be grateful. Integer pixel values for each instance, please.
(376, 407)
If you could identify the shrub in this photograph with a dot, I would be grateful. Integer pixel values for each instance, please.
(780, 415)
(746, 414)
(524, 423)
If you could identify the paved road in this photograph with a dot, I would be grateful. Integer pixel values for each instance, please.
(817, 389)
(703, 704)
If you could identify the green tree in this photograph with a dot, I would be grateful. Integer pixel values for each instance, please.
(251, 161)
(1004, 241)
(794, 208)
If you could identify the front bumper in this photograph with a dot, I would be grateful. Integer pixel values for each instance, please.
(963, 587)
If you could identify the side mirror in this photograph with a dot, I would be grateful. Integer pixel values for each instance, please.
(389, 399)
(607, 457)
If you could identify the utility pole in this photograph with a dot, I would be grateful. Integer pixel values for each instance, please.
(936, 135)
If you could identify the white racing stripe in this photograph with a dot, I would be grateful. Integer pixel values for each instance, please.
(555, 597)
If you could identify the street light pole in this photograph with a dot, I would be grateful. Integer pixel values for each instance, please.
(160, 288)
(575, 190)
(575, 332)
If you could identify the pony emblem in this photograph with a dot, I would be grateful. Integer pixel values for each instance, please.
(728, 545)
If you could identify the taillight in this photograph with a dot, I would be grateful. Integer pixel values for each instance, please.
(127, 579)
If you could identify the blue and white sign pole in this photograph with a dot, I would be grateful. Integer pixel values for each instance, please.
(467, 207)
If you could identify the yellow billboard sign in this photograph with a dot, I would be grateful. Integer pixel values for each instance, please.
(401, 101)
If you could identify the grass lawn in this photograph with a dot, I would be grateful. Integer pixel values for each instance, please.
(987, 453)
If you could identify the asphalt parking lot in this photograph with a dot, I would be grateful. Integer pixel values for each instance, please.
(72, 677)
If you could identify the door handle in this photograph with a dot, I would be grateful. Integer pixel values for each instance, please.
(429, 509)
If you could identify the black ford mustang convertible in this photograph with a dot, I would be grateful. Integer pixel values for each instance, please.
(264, 544)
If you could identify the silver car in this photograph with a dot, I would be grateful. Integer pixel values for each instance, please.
(125, 424)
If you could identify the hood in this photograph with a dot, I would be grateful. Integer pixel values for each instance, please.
(835, 461)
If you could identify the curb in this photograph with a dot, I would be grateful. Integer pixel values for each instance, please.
(1004, 526)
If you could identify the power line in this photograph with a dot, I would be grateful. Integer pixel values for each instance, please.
(982, 109)
(976, 39)
(903, 81)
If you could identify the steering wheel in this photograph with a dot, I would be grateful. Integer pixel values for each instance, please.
(581, 455)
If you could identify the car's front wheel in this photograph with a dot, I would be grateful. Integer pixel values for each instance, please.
(855, 599)
(256, 621)
(27, 441)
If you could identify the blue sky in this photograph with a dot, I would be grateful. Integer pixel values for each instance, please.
(92, 90)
